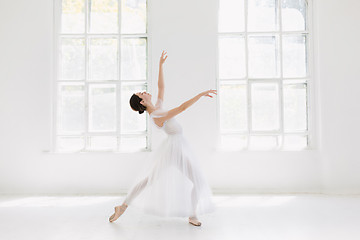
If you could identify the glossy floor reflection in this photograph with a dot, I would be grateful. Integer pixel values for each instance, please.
(290, 217)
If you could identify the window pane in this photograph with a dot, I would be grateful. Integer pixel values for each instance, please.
(133, 13)
(233, 142)
(70, 144)
(231, 15)
(102, 143)
(262, 15)
(72, 59)
(131, 121)
(71, 108)
(294, 56)
(102, 107)
(265, 106)
(263, 142)
(231, 57)
(73, 16)
(233, 107)
(263, 57)
(103, 16)
(293, 14)
(129, 144)
(133, 59)
(295, 107)
(103, 59)
(295, 142)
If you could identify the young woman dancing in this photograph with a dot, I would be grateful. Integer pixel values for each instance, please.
(172, 185)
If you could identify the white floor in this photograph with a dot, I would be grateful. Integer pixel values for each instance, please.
(288, 217)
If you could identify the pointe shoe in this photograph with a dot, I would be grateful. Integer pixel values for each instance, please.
(194, 221)
(119, 210)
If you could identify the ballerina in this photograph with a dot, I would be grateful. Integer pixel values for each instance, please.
(172, 185)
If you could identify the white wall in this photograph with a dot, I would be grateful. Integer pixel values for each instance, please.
(189, 36)
(339, 64)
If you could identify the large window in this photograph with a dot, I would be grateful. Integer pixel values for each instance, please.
(100, 60)
(263, 74)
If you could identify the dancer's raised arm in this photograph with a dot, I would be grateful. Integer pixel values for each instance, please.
(161, 85)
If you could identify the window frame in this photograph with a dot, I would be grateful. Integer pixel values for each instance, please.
(87, 36)
(309, 81)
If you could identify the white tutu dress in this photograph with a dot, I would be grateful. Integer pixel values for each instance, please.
(171, 183)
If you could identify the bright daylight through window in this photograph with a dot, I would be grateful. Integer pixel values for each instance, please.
(100, 60)
(263, 74)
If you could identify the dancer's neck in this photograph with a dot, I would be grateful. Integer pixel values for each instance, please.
(150, 109)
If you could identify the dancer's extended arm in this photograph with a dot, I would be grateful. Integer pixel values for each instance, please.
(161, 85)
(175, 111)
(193, 100)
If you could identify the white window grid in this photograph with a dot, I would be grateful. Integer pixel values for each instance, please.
(56, 81)
(308, 80)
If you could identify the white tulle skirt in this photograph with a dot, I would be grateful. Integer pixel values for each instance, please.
(171, 183)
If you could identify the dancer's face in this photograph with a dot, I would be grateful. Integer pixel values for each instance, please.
(146, 97)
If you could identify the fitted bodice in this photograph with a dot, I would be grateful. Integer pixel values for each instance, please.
(170, 126)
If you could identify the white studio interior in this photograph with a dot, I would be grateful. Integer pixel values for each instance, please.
(277, 144)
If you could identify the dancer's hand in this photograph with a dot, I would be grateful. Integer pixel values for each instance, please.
(207, 93)
(163, 58)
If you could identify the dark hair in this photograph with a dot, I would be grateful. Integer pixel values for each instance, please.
(136, 105)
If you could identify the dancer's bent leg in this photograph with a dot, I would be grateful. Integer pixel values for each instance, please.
(190, 174)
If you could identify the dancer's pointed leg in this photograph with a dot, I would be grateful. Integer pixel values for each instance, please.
(136, 190)
(119, 210)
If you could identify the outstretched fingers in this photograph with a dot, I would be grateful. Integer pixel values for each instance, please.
(211, 91)
(163, 57)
